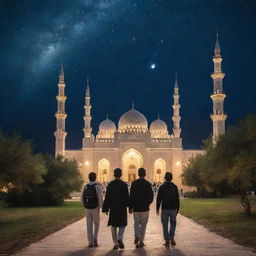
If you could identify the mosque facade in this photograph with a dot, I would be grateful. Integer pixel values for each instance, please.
(133, 143)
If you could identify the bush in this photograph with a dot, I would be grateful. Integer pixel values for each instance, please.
(61, 179)
(199, 194)
(191, 194)
(3, 195)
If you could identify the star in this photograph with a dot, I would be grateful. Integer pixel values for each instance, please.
(152, 65)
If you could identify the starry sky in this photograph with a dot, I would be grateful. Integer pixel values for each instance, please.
(131, 50)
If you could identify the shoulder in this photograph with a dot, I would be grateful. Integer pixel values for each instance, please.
(148, 183)
(174, 185)
(135, 182)
(163, 186)
(111, 183)
(85, 186)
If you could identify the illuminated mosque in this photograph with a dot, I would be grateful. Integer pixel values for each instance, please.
(133, 143)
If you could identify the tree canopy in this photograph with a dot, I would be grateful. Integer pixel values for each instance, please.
(35, 179)
(230, 163)
(19, 167)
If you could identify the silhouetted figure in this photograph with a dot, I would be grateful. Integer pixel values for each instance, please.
(117, 201)
(141, 196)
(168, 197)
(92, 201)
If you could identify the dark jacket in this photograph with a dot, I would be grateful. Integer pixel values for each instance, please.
(141, 195)
(116, 201)
(168, 196)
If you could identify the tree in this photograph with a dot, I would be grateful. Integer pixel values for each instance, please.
(62, 178)
(19, 167)
(236, 152)
(230, 163)
(191, 173)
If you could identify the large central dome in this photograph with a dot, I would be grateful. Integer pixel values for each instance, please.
(132, 121)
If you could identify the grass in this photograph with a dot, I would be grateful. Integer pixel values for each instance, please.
(223, 216)
(20, 227)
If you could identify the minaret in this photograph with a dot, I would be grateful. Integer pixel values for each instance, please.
(60, 133)
(87, 117)
(218, 117)
(176, 110)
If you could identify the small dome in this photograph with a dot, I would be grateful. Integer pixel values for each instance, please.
(132, 121)
(107, 125)
(158, 125)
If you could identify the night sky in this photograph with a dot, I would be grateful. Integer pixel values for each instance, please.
(131, 50)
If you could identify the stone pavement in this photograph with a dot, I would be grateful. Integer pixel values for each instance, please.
(192, 240)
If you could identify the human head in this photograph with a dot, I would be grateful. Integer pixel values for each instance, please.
(92, 176)
(168, 176)
(142, 172)
(117, 173)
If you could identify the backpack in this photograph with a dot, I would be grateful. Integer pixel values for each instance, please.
(90, 198)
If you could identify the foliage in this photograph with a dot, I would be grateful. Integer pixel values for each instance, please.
(19, 167)
(191, 194)
(199, 194)
(62, 178)
(230, 164)
(191, 175)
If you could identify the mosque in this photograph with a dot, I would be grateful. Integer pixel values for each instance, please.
(133, 143)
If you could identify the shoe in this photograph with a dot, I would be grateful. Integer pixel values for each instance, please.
(95, 244)
(121, 244)
(173, 241)
(115, 247)
(90, 246)
(141, 244)
(167, 244)
(136, 240)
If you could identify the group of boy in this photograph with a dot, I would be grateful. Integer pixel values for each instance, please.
(118, 199)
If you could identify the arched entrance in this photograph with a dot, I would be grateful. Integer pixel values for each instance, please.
(159, 170)
(131, 161)
(103, 170)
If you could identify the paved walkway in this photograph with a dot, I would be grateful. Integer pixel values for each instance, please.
(192, 240)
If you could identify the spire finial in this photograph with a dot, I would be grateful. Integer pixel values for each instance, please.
(61, 74)
(107, 115)
(158, 116)
(87, 87)
(217, 45)
(176, 81)
(133, 104)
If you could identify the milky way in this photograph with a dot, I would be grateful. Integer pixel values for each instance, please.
(117, 43)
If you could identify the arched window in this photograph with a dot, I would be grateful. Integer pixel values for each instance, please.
(159, 170)
(103, 170)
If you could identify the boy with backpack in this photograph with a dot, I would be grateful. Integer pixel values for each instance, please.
(92, 200)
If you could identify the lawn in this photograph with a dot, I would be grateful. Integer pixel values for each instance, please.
(223, 216)
(21, 226)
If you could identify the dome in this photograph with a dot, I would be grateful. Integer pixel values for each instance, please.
(132, 121)
(158, 125)
(107, 125)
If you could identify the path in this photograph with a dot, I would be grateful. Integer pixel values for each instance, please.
(192, 240)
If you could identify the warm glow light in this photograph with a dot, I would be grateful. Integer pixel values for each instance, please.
(86, 163)
(178, 163)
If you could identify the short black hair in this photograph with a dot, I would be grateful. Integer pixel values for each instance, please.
(117, 173)
(168, 176)
(92, 176)
(142, 172)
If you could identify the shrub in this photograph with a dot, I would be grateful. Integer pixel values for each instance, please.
(62, 178)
